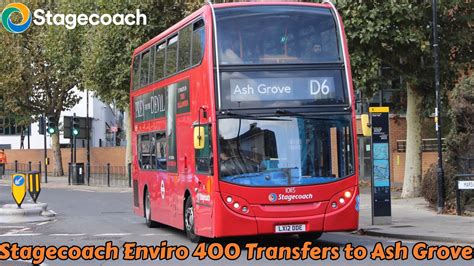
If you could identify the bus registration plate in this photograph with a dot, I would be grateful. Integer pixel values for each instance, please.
(290, 228)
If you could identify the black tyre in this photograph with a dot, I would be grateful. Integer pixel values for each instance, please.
(311, 236)
(147, 211)
(189, 221)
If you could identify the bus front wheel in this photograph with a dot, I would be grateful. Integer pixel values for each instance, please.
(147, 209)
(189, 221)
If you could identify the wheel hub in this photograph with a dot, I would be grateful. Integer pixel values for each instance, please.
(189, 219)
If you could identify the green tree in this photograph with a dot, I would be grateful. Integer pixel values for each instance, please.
(397, 34)
(41, 72)
(108, 50)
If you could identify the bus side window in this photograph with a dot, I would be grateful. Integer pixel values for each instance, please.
(184, 54)
(160, 151)
(160, 61)
(171, 56)
(136, 76)
(144, 68)
(203, 156)
(144, 151)
(198, 42)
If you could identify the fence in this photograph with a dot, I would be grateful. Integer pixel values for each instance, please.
(426, 145)
(108, 175)
(94, 175)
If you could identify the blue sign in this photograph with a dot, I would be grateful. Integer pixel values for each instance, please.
(18, 180)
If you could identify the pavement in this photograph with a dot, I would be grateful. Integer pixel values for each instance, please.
(412, 219)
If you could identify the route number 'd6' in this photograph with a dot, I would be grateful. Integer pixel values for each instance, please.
(318, 87)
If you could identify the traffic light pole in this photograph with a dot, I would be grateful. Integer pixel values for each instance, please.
(71, 144)
(74, 140)
(45, 150)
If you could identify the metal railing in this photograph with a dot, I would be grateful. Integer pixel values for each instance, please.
(107, 175)
(94, 175)
(427, 145)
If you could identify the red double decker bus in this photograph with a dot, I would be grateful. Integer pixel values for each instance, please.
(244, 123)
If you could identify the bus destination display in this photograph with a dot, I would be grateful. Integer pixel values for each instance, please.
(282, 89)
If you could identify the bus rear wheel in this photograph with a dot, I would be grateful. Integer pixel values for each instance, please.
(189, 221)
(147, 209)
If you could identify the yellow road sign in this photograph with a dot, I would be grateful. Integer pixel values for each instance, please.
(18, 188)
(34, 185)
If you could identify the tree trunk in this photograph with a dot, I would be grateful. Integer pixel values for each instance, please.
(128, 136)
(412, 179)
(58, 161)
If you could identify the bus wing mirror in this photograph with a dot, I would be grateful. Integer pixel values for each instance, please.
(199, 138)
(365, 124)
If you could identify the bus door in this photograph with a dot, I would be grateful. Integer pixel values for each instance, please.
(204, 173)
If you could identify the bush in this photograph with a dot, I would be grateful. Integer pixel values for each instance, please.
(459, 142)
(429, 185)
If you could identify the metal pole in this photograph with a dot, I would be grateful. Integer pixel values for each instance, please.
(439, 170)
(88, 137)
(16, 166)
(70, 141)
(39, 167)
(45, 150)
(28, 130)
(129, 171)
(108, 174)
(74, 142)
(29, 166)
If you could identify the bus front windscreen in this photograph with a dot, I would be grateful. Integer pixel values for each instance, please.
(282, 151)
(254, 35)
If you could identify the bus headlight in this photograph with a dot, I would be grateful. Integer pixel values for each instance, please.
(229, 199)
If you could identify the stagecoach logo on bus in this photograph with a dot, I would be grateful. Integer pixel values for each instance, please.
(41, 17)
(273, 197)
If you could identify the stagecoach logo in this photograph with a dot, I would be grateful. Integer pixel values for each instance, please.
(272, 197)
(23, 17)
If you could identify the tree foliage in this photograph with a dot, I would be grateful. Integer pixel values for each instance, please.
(40, 69)
(397, 34)
(108, 50)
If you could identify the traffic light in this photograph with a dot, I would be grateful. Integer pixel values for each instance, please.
(41, 125)
(52, 128)
(75, 126)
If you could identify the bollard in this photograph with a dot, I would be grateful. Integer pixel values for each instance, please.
(129, 168)
(39, 167)
(29, 166)
(16, 166)
(69, 174)
(108, 174)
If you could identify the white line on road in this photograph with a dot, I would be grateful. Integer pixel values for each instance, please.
(67, 234)
(43, 223)
(11, 226)
(114, 234)
(155, 234)
(15, 235)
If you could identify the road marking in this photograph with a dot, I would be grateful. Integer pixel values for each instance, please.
(32, 234)
(114, 234)
(43, 223)
(11, 226)
(155, 234)
(53, 212)
(67, 234)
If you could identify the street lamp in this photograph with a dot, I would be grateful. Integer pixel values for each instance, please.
(439, 170)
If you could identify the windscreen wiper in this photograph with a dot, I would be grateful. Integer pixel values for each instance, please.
(287, 112)
(247, 116)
